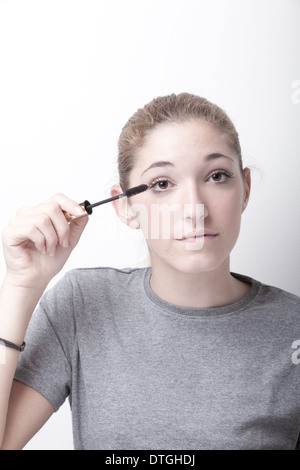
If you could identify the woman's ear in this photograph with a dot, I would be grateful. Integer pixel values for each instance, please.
(123, 208)
(247, 187)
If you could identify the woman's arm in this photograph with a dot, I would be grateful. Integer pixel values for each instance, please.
(16, 307)
(27, 412)
(37, 243)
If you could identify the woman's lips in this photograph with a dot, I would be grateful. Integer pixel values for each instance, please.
(194, 238)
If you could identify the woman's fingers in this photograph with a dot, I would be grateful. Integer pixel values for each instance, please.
(36, 228)
(18, 234)
(50, 220)
(39, 230)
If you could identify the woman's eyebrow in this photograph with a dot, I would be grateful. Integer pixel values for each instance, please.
(162, 163)
(158, 164)
(213, 156)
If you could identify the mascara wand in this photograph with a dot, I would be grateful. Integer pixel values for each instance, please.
(87, 207)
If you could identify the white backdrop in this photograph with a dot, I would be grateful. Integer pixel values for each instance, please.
(73, 71)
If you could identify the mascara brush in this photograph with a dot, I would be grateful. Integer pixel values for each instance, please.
(87, 207)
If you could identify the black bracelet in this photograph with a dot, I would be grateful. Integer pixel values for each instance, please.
(13, 345)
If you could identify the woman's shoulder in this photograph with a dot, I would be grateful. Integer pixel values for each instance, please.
(280, 299)
(281, 294)
(274, 297)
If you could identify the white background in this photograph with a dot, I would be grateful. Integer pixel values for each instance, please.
(73, 72)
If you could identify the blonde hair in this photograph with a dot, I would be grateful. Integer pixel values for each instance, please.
(168, 109)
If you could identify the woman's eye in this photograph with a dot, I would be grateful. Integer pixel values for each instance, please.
(161, 185)
(220, 176)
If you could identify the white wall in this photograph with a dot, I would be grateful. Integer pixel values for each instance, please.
(73, 71)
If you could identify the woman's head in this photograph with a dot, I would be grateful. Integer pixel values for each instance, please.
(169, 109)
(187, 151)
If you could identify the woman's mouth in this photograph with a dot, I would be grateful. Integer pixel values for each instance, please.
(194, 236)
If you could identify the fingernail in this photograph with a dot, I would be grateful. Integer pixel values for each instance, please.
(78, 210)
(52, 251)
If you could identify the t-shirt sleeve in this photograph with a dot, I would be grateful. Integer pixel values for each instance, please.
(45, 364)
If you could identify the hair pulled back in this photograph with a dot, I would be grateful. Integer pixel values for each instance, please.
(168, 109)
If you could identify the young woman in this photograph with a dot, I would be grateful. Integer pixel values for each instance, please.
(184, 354)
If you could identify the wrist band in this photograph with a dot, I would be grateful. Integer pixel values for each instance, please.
(13, 345)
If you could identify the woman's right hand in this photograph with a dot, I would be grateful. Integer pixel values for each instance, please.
(38, 240)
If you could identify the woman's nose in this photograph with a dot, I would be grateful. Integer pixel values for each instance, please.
(194, 205)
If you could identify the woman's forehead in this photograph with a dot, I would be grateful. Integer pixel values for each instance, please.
(176, 141)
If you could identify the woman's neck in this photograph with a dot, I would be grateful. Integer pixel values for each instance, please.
(198, 290)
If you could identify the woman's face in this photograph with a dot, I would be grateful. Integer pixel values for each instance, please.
(191, 215)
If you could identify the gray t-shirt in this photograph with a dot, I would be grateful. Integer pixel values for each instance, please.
(141, 373)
